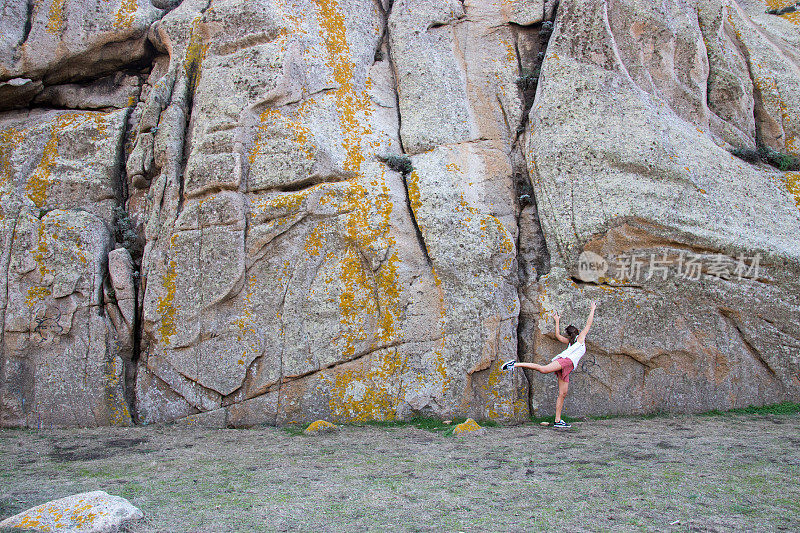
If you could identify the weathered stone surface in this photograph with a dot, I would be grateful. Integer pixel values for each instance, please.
(650, 174)
(89, 512)
(351, 210)
(63, 363)
(64, 39)
(296, 141)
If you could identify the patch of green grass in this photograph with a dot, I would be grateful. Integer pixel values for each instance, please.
(434, 425)
(741, 509)
(646, 416)
(294, 429)
(785, 408)
(400, 163)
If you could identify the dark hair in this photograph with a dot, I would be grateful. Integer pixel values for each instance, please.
(572, 333)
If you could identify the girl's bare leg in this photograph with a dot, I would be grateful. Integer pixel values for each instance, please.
(544, 369)
(563, 386)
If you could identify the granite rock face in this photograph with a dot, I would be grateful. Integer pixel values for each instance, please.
(230, 213)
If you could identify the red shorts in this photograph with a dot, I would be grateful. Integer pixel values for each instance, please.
(566, 368)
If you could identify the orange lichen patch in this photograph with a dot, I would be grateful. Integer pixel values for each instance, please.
(116, 406)
(274, 118)
(36, 295)
(511, 53)
(29, 522)
(367, 391)
(349, 104)
(40, 180)
(285, 204)
(165, 306)
(126, 14)
(314, 241)
(195, 53)
(792, 181)
(468, 426)
(41, 253)
(10, 139)
(497, 403)
(440, 368)
(55, 20)
(356, 303)
(367, 225)
(770, 93)
(245, 323)
(793, 17)
(492, 226)
(319, 426)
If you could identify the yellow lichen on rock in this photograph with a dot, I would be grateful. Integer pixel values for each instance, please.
(126, 14)
(55, 20)
(792, 181)
(368, 391)
(89, 511)
(469, 426)
(165, 307)
(195, 53)
(320, 426)
(793, 17)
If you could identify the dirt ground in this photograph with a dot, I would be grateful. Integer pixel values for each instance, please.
(682, 473)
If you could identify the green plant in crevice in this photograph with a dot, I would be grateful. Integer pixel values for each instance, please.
(528, 79)
(125, 231)
(780, 160)
(400, 163)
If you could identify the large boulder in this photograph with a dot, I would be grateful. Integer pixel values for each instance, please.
(62, 360)
(229, 213)
(629, 148)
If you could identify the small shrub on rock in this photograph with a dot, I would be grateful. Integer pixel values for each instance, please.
(529, 79)
(400, 163)
(125, 230)
(778, 159)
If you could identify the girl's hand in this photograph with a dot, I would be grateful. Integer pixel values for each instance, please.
(593, 305)
(556, 316)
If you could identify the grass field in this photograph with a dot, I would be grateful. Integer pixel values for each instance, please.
(733, 471)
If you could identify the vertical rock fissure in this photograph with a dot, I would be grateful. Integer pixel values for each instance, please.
(407, 170)
(533, 257)
(6, 268)
(28, 20)
(122, 195)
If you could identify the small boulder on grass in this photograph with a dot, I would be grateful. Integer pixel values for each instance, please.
(468, 427)
(320, 426)
(88, 512)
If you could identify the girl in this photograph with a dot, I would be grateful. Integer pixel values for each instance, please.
(563, 363)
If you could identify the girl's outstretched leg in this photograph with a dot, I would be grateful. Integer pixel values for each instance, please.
(544, 369)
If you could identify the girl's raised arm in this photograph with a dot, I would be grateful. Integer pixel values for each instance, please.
(559, 336)
(582, 335)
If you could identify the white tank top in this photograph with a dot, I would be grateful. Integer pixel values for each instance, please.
(574, 352)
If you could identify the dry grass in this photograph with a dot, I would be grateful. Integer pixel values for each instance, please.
(736, 472)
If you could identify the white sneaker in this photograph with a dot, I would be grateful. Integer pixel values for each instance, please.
(508, 365)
